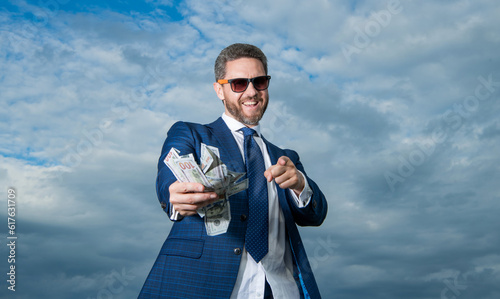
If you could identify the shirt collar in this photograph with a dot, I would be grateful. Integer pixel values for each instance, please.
(235, 125)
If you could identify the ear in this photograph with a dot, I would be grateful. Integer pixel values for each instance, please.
(219, 91)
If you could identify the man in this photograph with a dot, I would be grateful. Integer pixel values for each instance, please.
(261, 255)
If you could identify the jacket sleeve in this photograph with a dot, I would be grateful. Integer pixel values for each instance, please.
(180, 137)
(315, 212)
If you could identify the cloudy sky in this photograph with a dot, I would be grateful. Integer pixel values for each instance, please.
(392, 105)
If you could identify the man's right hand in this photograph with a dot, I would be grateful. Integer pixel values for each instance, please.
(186, 198)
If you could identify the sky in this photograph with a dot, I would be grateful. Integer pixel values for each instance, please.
(392, 106)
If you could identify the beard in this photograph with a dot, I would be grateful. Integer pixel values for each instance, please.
(237, 112)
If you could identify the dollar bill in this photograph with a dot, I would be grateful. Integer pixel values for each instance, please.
(217, 179)
(206, 160)
(203, 211)
(209, 158)
(217, 219)
(236, 188)
(234, 176)
(192, 171)
(173, 155)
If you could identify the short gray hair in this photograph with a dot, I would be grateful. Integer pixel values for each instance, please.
(236, 51)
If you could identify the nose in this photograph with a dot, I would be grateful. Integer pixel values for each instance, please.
(251, 91)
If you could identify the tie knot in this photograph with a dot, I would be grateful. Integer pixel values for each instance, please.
(247, 131)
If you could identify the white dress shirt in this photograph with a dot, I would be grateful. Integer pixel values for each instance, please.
(277, 265)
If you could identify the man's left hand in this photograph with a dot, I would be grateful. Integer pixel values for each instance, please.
(286, 175)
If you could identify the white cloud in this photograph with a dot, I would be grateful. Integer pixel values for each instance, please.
(88, 98)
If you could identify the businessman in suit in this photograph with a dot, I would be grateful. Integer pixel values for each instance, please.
(261, 255)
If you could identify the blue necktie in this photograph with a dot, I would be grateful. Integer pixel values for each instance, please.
(257, 227)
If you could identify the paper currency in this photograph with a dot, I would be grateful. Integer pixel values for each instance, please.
(192, 171)
(215, 176)
(209, 157)
(235, 175)
(173, 155)
(217, 179)
(236, 188)
(217, 219)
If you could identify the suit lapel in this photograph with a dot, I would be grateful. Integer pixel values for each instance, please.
(230, 153)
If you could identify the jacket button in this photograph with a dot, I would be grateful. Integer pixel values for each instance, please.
(243, 217)
(314, 204)
(237, 251)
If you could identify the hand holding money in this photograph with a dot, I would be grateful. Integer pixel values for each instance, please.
(188, 197)
(203, 189)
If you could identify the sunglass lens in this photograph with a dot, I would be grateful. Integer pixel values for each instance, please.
(239, 85)
(261, 83)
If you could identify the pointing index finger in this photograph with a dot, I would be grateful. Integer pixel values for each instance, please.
(284, 160)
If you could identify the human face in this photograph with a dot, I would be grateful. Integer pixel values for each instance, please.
(249, 106)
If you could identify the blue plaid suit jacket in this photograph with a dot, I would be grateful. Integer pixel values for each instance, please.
(193, 265)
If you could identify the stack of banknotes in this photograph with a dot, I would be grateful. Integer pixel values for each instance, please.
(215, 176)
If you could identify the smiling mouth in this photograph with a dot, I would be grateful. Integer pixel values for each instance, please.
(250, 104)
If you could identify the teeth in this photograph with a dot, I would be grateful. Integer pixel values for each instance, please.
(249, 103)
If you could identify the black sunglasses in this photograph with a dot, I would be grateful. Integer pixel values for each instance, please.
(241, 84)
